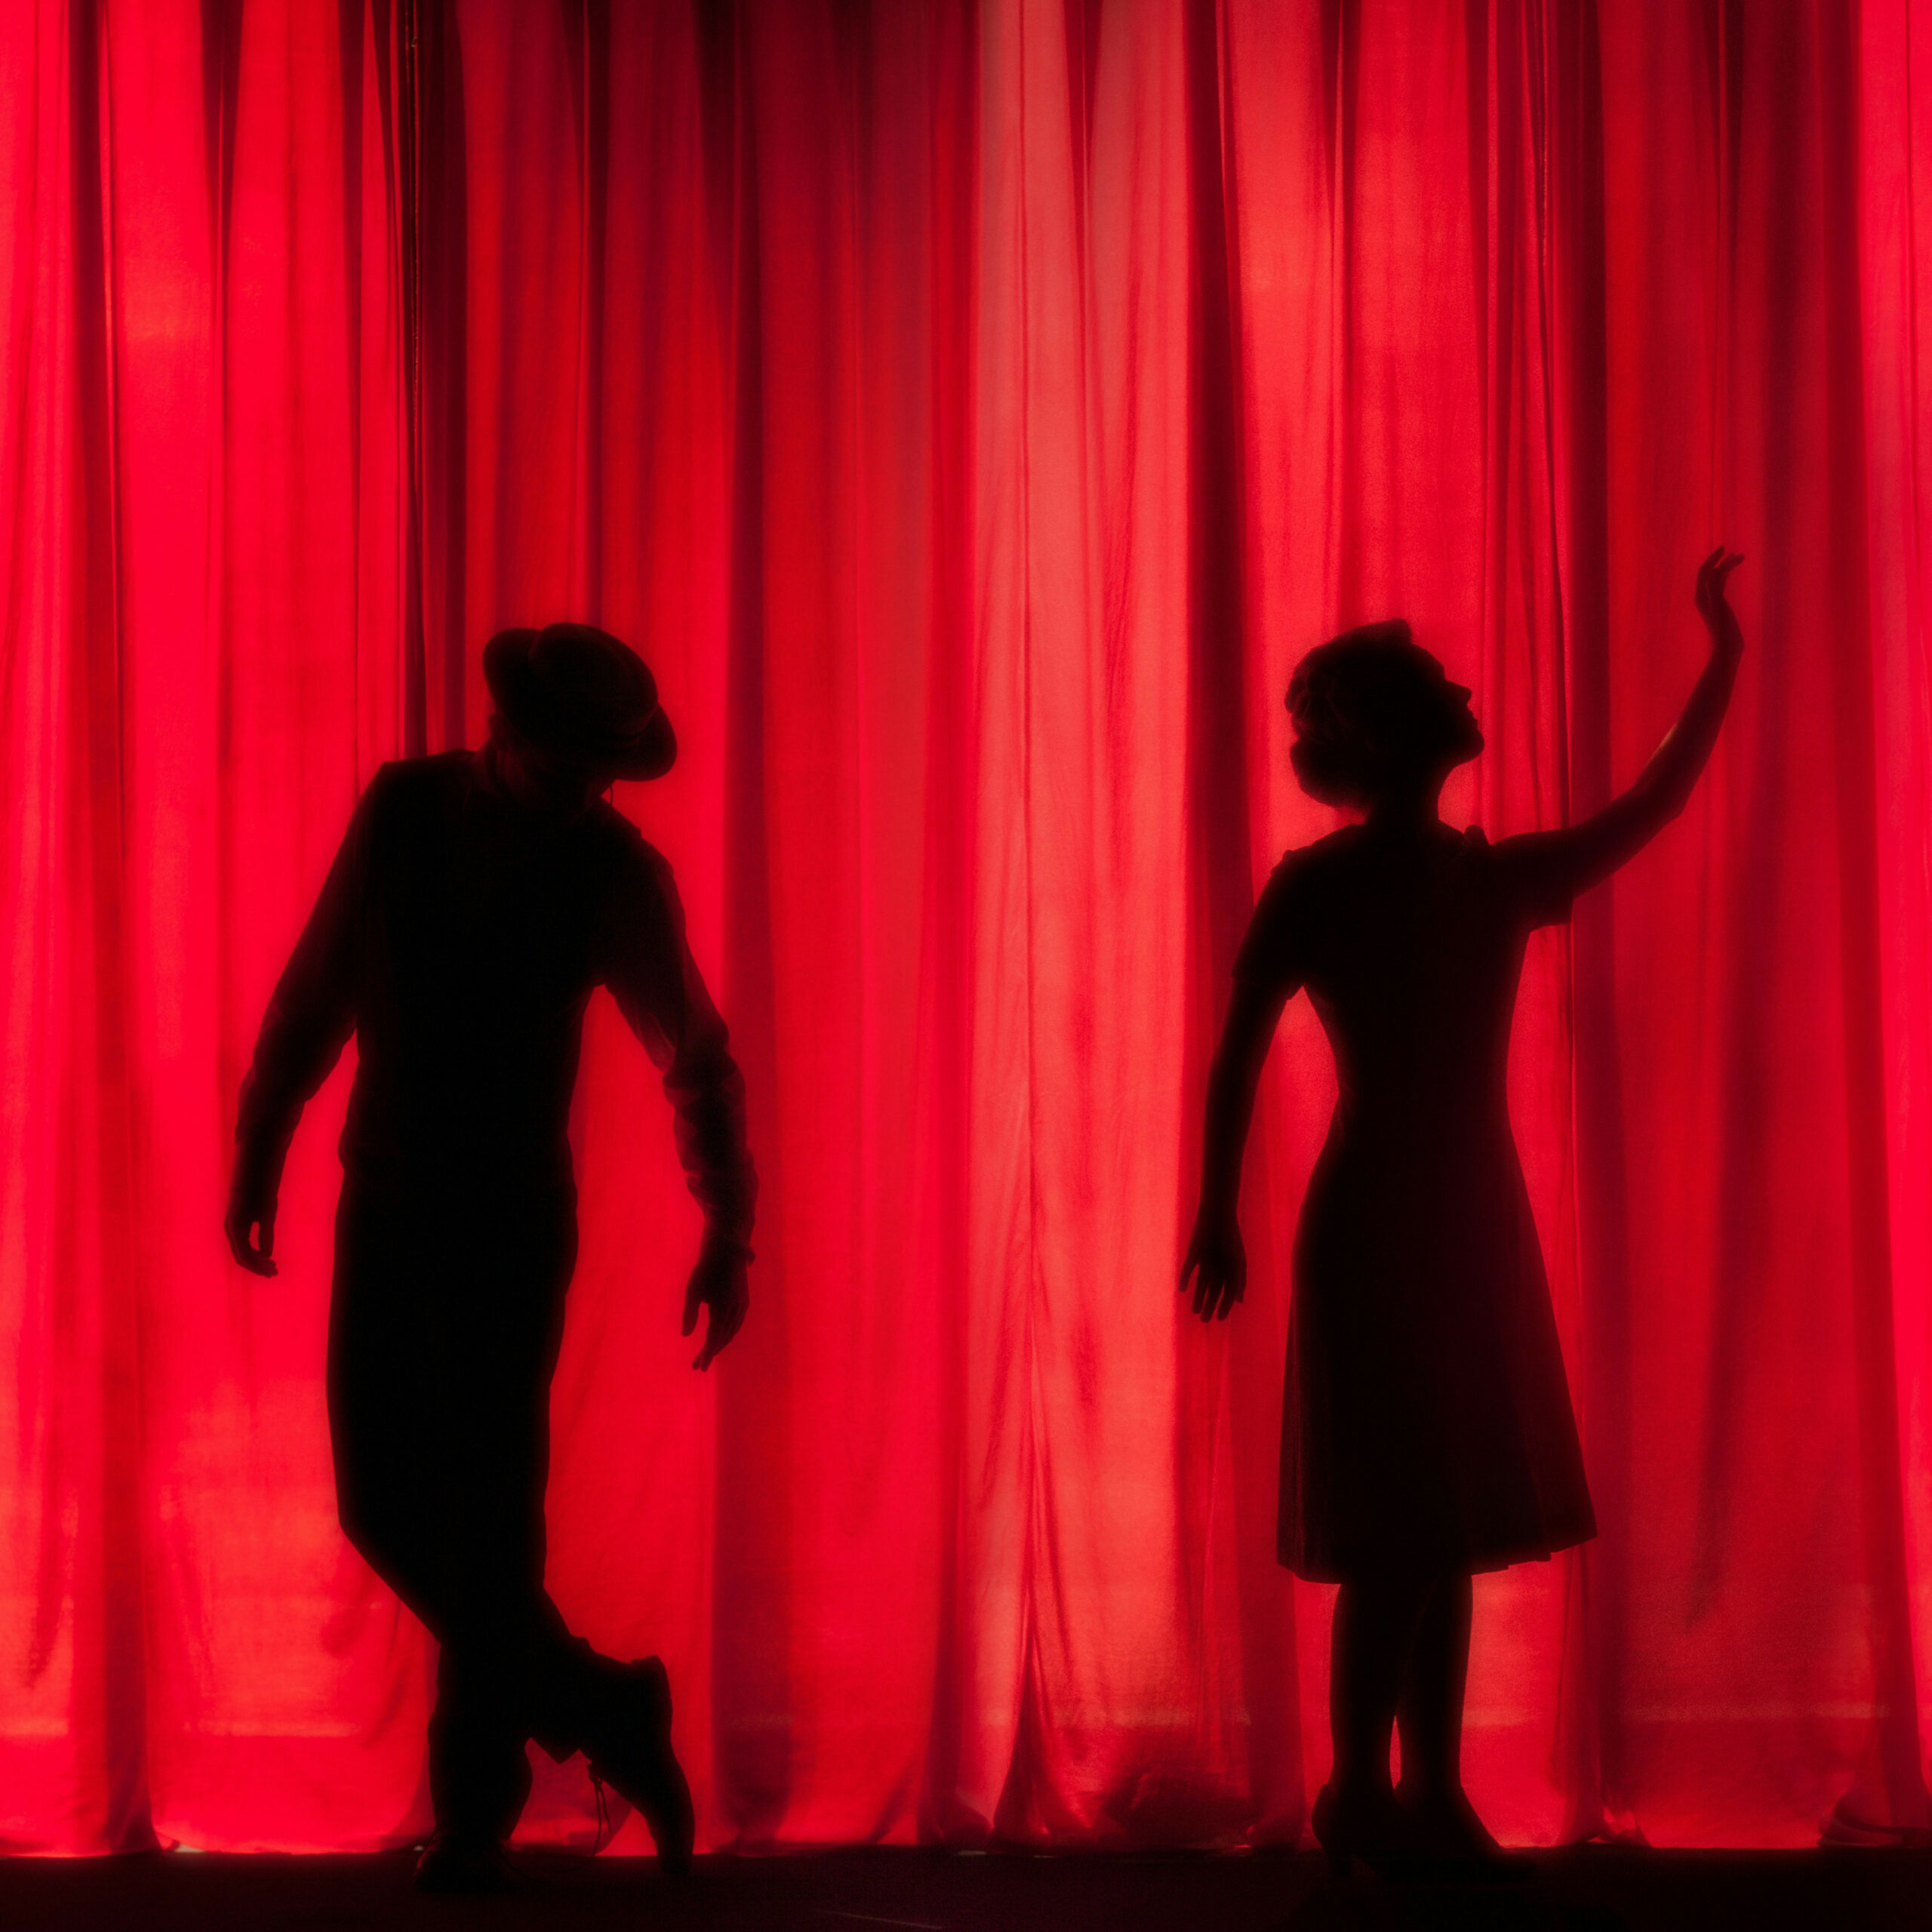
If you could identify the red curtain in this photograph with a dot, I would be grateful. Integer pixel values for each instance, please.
(972, 410)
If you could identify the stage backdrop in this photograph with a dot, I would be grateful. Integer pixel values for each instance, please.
(973, 411)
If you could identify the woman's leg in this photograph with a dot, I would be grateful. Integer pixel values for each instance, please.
(1429, 1712)
(1376, 1620)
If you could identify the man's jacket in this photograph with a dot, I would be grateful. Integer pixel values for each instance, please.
(459, 937)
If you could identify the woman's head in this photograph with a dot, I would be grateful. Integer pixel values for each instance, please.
(1375, 714)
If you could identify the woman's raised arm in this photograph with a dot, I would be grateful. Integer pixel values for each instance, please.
(1585, 852)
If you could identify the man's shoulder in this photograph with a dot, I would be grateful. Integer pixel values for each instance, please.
(435, 771)
(634, 864)
(620, 834)
(408, 788)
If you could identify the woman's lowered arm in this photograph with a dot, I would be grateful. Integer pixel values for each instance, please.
(1216, 1259)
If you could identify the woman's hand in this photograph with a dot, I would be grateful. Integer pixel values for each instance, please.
(1578, 857)
(1727, 639)
(1218, 1264)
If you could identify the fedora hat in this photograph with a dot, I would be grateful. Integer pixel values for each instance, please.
(576, 689)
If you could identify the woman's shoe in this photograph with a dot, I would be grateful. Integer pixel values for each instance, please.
(1447, 1841)
(1373, 1829)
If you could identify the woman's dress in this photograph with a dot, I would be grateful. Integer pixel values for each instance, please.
(1427, 1419)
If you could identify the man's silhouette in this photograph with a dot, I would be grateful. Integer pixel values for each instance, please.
(477, 900)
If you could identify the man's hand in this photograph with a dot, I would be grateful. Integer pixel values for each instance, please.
(1218, 1263)
(251, 1205)
(718, 1283)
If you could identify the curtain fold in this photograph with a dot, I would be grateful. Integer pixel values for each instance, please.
(972, 410)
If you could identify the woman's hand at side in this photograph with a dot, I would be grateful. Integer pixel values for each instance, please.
(1217, 1263)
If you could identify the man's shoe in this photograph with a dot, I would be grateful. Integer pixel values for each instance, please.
(462, 1864)
(630, 1750)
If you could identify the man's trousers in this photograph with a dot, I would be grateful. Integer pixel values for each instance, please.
(444, 1325)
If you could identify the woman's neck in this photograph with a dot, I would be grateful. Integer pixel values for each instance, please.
(1410, 816)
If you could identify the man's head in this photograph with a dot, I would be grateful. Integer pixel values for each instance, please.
(576, 708)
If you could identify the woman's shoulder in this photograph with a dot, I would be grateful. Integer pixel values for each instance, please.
(1305, 875)
(1312, 874)
(1533, 871)
(1291, 906)
(1324, 857)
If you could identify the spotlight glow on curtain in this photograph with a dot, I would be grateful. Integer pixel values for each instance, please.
(972, 410)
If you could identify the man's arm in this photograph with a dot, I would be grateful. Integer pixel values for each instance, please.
(310, 1016)
(650, 973)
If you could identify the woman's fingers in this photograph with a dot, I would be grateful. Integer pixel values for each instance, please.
(1712, 576)
(1717, 566)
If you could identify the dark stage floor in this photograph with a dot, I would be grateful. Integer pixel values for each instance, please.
(1589, 1889)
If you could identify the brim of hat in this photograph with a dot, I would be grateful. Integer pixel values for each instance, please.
(652, 753)
(649, 754)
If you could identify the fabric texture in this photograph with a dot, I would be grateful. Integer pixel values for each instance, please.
(971, 411)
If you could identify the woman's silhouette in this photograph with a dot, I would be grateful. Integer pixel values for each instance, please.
(1428, 1433)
